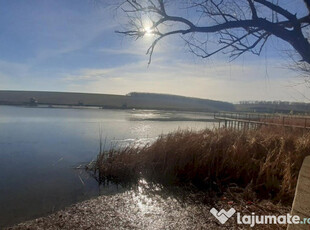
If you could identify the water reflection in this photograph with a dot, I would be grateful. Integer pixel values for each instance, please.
(134, 142)
(145, 202)
(41, 147)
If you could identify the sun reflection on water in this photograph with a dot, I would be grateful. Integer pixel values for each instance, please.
(147, 203)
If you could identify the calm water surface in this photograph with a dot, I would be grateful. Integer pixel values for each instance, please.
(40, 147)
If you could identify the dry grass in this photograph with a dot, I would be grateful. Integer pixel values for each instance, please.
(265, 162)
(301, 121)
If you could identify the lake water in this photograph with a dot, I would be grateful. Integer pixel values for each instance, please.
(41, 147)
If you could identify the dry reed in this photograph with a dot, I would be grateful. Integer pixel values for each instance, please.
(265, 161)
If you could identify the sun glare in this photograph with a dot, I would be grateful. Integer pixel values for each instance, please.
(148, 31)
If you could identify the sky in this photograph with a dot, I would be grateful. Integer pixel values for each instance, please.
(71, 46)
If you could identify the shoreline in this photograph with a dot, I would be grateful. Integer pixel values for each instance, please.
(137, 210)
(64, 106)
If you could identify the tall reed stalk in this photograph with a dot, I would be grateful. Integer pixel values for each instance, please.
(266, 160)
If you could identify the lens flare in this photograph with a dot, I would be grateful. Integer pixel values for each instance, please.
(148, 31)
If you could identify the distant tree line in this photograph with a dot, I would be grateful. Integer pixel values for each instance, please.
(275, 106)
(273, 103)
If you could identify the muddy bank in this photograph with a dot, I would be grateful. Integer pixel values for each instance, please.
(136, 210)
(124, 211)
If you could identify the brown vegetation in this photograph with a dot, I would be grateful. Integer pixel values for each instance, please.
(300, 121)
(264, 161)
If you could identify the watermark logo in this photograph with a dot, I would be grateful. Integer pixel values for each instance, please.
(222, 215)
(254, 219)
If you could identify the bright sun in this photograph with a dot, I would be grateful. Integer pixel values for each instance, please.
(148, 31)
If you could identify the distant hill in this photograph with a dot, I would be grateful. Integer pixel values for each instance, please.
(109, 101)
(174, 102)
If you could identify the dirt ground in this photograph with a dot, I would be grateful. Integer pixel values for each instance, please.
(134, 209)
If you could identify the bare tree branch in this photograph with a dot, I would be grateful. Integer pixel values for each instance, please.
(277, 8)
(307, 2)
(241, 26)
(253, 9)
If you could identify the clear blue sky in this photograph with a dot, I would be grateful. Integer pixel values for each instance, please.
(70, 45)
